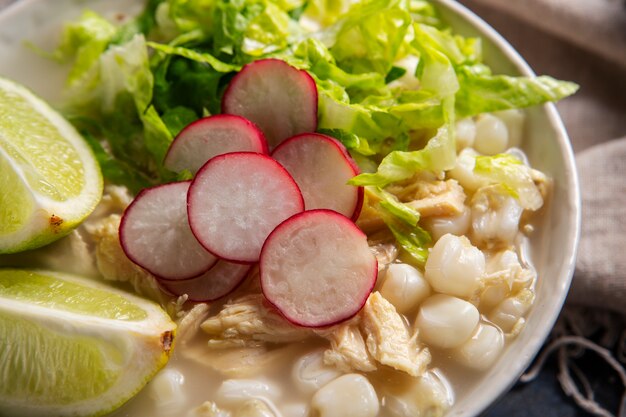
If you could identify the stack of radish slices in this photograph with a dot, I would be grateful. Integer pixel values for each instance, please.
(247, 206)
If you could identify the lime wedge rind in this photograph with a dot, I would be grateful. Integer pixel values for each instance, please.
(55, 209)
(101, 361)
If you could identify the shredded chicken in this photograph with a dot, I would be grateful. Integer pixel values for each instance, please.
(115, 199)
(247, 321)
(190, 321)
(244, 362)
(71, 254)
(433, 198)
(347, 351)
(385, 253)
(208, 409)
(387, 337)
(543, 182)
(369, 219)
(113, 263)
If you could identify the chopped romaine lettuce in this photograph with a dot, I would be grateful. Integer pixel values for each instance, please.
(402, 220)
(512, 175)
(391, 79)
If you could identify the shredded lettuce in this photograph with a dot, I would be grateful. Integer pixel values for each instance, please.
(511, 173)
(403, 222)
(392, 79)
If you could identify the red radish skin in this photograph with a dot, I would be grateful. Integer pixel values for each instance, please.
(217, 282)
(317, 269)
(212, 136)
(236, 200)
(280, 99)
(155, 234)
(322, 166)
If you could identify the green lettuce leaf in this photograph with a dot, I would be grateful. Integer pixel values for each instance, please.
(482, 92)
(369, 37)
(402, 221)
(84, 41)
(118, 93)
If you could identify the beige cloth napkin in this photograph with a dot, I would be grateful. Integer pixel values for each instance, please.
(583, 41)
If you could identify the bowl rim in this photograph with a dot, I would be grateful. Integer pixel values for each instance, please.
(573, 203)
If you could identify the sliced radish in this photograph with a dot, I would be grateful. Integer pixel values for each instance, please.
(155, 234)
(317, 269)
(217, 282)
(280, 99)
(236, 200)
(322, 167)
(212, 136)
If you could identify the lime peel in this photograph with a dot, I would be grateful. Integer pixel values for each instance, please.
(78, 361)
(50, 177)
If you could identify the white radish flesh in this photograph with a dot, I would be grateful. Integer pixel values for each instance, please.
(280, 99)
(236, 200)
(155, 234)
(217, 282)
(446, 322)
(212, 136)
(454, 266)
(317, 268)
(321, 166)
(404, 287)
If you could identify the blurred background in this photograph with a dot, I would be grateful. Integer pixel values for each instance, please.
(582, 41)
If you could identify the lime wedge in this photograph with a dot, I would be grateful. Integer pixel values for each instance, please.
(49, 178)
(70, 346)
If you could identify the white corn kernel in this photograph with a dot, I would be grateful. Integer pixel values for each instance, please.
(428, 395)
(166, 389)
(514, 120)
(408, 81)
(404, 287)
(454, 266)
(350, 395)
(495, 217)
(511, 310)
(492, 135)
(463, 171)
(309, 373)
(457, 225)
(482, 349)
(257, 408)
(233, 392)
(446, 322)
(465, 133)
(294, 410)
(494, 295)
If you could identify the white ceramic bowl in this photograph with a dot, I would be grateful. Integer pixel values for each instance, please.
(554, 246)
(546, 144)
